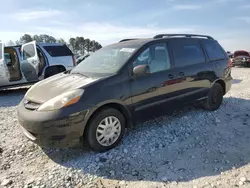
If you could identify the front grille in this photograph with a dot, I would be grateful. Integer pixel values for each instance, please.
(31, 105)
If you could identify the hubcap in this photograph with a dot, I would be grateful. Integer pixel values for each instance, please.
(108, 131)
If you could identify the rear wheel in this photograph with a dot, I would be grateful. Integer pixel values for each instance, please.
(215, 98)
(105, 130)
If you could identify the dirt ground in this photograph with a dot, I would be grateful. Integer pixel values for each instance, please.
(189, 149)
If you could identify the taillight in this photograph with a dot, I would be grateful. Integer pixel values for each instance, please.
(230, 64)
(74, 61)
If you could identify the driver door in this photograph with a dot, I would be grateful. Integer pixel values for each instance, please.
(30, 61)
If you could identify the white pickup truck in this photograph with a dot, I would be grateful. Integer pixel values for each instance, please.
(31, 62)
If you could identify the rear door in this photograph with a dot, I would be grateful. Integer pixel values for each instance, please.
(30, 61)
(192, 71)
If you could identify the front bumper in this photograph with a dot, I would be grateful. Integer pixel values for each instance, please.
(240, 63)
(52, 128)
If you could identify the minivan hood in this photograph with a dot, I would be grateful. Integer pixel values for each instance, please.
(56, 85)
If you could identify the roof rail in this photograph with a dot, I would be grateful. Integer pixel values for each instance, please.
(185, 35)
(126, 40)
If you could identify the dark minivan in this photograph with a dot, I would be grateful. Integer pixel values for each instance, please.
(111, 89)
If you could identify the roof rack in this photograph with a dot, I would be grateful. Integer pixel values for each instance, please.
(126, 40)
(185, 35)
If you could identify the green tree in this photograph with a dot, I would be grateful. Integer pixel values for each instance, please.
(10, 43)
(25, 39)
(81, 45)
(37, 38)
(72, 44)
(61, 40)
(87, 45)
(47, 39)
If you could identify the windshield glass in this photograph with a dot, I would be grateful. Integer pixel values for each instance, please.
(106, 61)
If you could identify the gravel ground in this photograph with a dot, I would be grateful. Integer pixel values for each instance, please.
(192, 148)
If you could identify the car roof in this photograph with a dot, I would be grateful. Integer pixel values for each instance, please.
(40, 44)
(137, 42)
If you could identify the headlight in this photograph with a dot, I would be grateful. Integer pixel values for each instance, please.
(63, 100)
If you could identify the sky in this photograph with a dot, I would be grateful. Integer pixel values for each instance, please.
(108, 21)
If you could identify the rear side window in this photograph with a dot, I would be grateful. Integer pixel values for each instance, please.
(214, 50)
(56, 51)
(187, 53)
(29, 51)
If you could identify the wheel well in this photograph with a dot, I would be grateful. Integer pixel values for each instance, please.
(51, 70)
(223, 85)
(116, 106)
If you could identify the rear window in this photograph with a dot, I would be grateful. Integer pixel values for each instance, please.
(56, 51)
(241, 53)
(214, 50)
(187, 54)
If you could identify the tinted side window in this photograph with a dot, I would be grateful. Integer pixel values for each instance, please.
(213, 50)
(156, 57)
(187, 53)
(56, 51)
(28, 51)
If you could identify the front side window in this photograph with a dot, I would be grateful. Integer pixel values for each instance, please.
(28, 51)
(108, 60)
(156, 57)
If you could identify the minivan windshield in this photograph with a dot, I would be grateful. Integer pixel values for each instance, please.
(106, 61)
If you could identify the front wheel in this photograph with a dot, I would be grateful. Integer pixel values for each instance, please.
(105, 130)
(215, 98)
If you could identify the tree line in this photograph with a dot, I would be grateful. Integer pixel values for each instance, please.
(78, 45)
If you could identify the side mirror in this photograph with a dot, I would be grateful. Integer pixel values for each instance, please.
(141, 70)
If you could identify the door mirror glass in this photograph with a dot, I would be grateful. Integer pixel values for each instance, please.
(141, 70)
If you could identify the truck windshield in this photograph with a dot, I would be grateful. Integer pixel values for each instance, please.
(108, 60)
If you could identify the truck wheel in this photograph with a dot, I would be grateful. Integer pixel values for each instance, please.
(105, 130)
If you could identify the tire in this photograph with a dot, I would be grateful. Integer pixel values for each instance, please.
(215, 98)
(91, 132)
